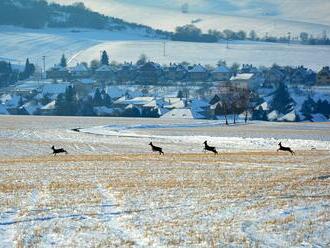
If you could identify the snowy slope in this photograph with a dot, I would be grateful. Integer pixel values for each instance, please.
(16, 44)
(272, 16)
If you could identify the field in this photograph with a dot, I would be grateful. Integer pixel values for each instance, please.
(111, 191)
(17, 43)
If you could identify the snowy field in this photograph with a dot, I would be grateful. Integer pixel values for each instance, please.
(111, 191)
(17, 43)
(277, 17)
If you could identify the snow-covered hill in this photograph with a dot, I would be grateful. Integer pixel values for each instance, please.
(80, 45)
(265, 16)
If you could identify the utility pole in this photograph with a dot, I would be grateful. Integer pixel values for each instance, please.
(44, 65)
(289, 38)
(227, 43)
(164, 48)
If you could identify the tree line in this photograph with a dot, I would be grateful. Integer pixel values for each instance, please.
(191, 33)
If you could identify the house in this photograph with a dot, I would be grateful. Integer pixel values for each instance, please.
(84, 86)
(273, 77)
(30, 108)
(302, 76)
(248, 68)
(12, 103)
(175, 72)
(126, 73)
(80, 71)
(58, 72)
(3, 110)
(221, 73)
(198, 73)
(54, 89)
(48, 109)
(323, 76)
(184, 113)
(105, 73)
(243, 80)
(149, 73)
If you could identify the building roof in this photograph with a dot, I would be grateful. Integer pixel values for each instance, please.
(185, 113)
(198, 68)
(104, 68)
(3, 110)
(56, 88)
(80, 68)
(221, 69)
(49, 106)
(242, 76)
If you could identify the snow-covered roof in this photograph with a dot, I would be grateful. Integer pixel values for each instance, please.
(114, 91)
(152, 104)
(264, 106)
(198, 105)
(103, 110)
(142, 100)
(221, 69)
(31, 107)
(242, 76)
(178, 114)
(273, 116)
(57, 88)
(3, 110)
(86, 81)
(288, 117)
(49, 106)
(11, 101)
(198, 68)
(79, 68)
(319, 118)
(104, 68)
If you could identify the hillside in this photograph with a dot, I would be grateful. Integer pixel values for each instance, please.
(40, 14)
(270, 16)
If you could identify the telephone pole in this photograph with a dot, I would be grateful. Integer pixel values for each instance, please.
(44, 65)
(164, 48)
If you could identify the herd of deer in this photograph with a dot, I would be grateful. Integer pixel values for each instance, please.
(160, 150)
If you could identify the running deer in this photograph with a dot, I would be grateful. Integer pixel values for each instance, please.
(209, 148)
(156, 148)
(286, 149)
(60, 150)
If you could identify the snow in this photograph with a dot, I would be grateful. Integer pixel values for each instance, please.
(55, 88)
(178, 114)
(49, 106)
(291, 116)
(19, 43)
(272, 16)
(112, 191)
(242, 76)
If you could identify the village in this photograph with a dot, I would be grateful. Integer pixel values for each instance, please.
(148, 89)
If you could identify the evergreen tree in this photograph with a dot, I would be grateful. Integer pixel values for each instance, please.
(104, 58)
(63, 62)
(308, 108)
(180, 94)
(28, 70)
(282, 102)
(87, 107)
(66, 104)
(97, 100)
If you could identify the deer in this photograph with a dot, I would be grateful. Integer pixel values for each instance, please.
(286, 149)
(156, 149)
(57, 151)
(209, 148)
